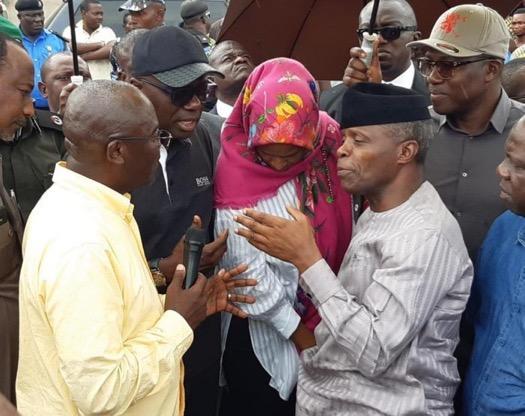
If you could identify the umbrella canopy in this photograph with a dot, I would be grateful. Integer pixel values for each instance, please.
(318, 33)
(427, 11)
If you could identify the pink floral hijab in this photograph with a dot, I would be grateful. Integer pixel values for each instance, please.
(279, 104)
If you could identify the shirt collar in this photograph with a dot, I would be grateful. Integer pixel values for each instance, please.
(110, 199)
(42, 35)
(224, 110)
(501, 113)
(80, 25)
(405, 79)
(499, 116)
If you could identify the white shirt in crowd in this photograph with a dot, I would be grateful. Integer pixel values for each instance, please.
(100, 68)
(224, 110)
(405, 79)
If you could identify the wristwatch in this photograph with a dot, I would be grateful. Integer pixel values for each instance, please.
(158, 277)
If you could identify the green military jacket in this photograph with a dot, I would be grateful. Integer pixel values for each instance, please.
(29, 161)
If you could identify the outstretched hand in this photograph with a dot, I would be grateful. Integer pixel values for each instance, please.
(219, 292)
(207, 296)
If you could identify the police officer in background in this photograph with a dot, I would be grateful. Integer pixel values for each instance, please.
(39, 42)
(145, 14)
(196, 20)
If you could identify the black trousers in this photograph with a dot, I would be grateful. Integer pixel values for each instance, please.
(249, 391)
(201, 364)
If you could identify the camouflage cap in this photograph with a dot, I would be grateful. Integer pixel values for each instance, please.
(468, 30)
(138, 5)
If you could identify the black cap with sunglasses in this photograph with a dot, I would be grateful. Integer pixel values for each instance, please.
(172, 55)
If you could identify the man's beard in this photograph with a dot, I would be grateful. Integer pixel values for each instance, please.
(7, 135)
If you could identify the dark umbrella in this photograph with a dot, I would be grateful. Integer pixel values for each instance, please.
(315, 32)
(71, 12)
(319, 33)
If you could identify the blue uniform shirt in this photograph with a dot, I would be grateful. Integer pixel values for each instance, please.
(43, 47)
(495, 381)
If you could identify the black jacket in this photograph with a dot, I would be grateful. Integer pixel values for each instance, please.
(29, 161)
(163, 219)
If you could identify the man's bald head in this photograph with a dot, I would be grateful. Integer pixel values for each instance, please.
(394, 56)
(112, 135)
(402, 9)
(58, 59)
(56, 74)
(101, 109)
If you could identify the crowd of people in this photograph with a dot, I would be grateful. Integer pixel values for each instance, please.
(366, 242)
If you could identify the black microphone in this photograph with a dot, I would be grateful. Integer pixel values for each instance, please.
(193, 244)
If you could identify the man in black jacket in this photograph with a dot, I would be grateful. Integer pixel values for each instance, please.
(29, 160)
(176, 82)
(396, 25)
(16, 84)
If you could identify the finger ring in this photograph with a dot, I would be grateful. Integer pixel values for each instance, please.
(229, 296)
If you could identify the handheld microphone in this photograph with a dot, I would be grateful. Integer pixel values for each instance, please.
(193, 244)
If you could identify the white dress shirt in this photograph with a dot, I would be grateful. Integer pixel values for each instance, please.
(224, 110)
(99, 68)
(405, 79)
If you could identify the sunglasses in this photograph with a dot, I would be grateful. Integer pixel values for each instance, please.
(387, 33)
(183, 95)
(445, 69)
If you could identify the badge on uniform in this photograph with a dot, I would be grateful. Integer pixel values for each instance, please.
(56, 119)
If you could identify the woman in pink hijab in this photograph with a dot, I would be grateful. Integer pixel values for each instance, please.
(278, 150)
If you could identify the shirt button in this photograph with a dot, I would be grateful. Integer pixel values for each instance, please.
(464, 174)
(458, 214)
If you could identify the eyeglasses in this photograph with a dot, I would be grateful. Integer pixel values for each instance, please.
(445, 69)
(183, 95)
(160, 135)
(207, 14)
(387, 33)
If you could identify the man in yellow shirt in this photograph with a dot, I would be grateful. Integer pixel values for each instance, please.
(95, 338)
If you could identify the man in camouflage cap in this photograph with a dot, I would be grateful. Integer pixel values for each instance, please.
(146, 14)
